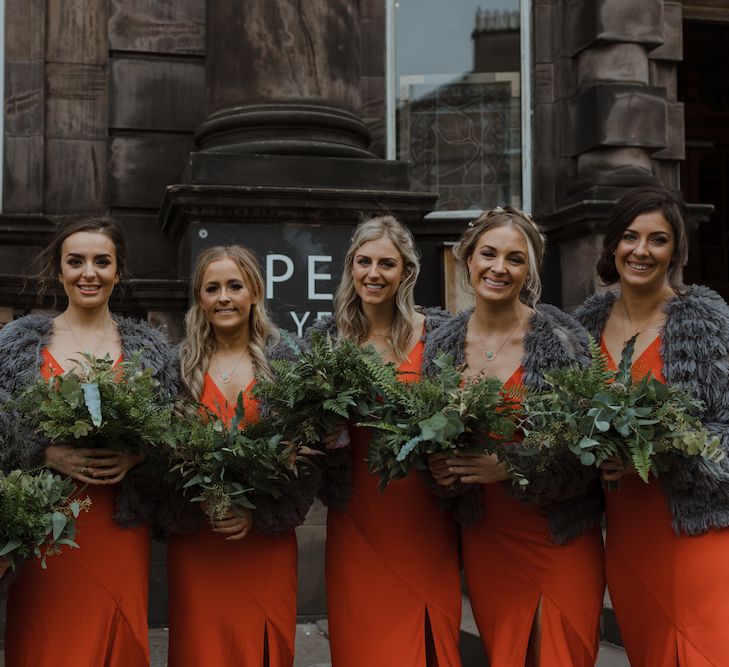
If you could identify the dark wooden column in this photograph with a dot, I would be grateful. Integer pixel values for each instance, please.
(283, 78)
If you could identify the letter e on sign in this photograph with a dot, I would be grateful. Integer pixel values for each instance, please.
(313, 277)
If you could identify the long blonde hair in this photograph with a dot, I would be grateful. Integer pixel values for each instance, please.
(350, 318)
(198, 345)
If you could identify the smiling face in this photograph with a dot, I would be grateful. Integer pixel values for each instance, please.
(225, 297)
(377, 271)
(644, 252)
(499, 264)
(89, 269)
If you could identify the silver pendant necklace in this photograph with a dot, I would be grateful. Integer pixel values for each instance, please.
(101, 333)
(225, 378)
(491, 354)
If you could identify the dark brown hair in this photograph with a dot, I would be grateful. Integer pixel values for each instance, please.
(49, 261)
(646, 199)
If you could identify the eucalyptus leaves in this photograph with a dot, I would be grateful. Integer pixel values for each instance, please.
(596, 413)
(438, 414)
(37, 514)
(99, 404)
(226, 467)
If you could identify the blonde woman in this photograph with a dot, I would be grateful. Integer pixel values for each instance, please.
(393, 589)
(233, 583)
(534, 570)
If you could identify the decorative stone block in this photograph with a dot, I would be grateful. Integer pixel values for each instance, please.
(626, 63)
(23, 174)
(618, 115)
(174, 26)
(76, 101)
(156, 94)
(141, 167)
(675, 134)
(26, 39)
(663, 75)
(77, 32)
(672, 47)
(24, 97)
(605, 21)
(75, 176)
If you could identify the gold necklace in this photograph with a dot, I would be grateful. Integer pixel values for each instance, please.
(491, 354)
(225, 378)
(624, 315)
(80, 344)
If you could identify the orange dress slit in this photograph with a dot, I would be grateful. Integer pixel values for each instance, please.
(391, 568)
(231, 602)
(511, 565)
(670, 592)
(90, 606)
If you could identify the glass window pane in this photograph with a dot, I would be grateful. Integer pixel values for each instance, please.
(458, 106)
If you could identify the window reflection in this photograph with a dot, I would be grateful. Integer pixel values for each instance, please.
(459, 100)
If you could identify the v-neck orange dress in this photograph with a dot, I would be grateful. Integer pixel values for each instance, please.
(391, 568)
(670, 592)
(511, 564)
(90, 606)
(231, 602)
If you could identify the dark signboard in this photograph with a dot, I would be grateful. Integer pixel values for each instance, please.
(301, 263)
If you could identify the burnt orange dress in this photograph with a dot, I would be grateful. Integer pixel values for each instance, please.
(90, 606)
(391, 568)
(670, 592)
(511, 564)
(231, 602)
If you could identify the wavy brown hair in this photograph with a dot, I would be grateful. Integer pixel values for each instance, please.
(646, 199)
(198, 345)
(350, 318)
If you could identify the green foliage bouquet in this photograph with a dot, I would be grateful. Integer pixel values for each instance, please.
(227, 466)
(99, 404)
(438, 414)
(596, 413)
(326, 384)
(37, 514)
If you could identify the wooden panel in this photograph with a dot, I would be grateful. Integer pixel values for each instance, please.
(25, 24)
(77, 31)
(76, 101)
(23, 174)
(156, 94)
(75, 176)
(140, 168)
(24, 86)
(157, 26)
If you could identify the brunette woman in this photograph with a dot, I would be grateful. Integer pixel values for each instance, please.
(667, 541)
(90, 606)
(534, 569)
(233, 582)
(393, 591)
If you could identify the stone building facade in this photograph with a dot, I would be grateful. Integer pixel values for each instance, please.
(189, 121)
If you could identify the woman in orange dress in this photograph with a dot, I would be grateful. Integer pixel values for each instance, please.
(90, 606)
(533, 569)
(232, 583)
(667, 546)
(393, 589)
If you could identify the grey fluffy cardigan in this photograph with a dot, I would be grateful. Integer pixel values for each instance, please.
(272, 516)
(568, 492)
(337, 478)
(21, 344)
(695, 353)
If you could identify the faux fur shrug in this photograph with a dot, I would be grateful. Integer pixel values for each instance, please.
(568, 492)
(337, 480)
(695, 353)
(21, 343)
(272, 516)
